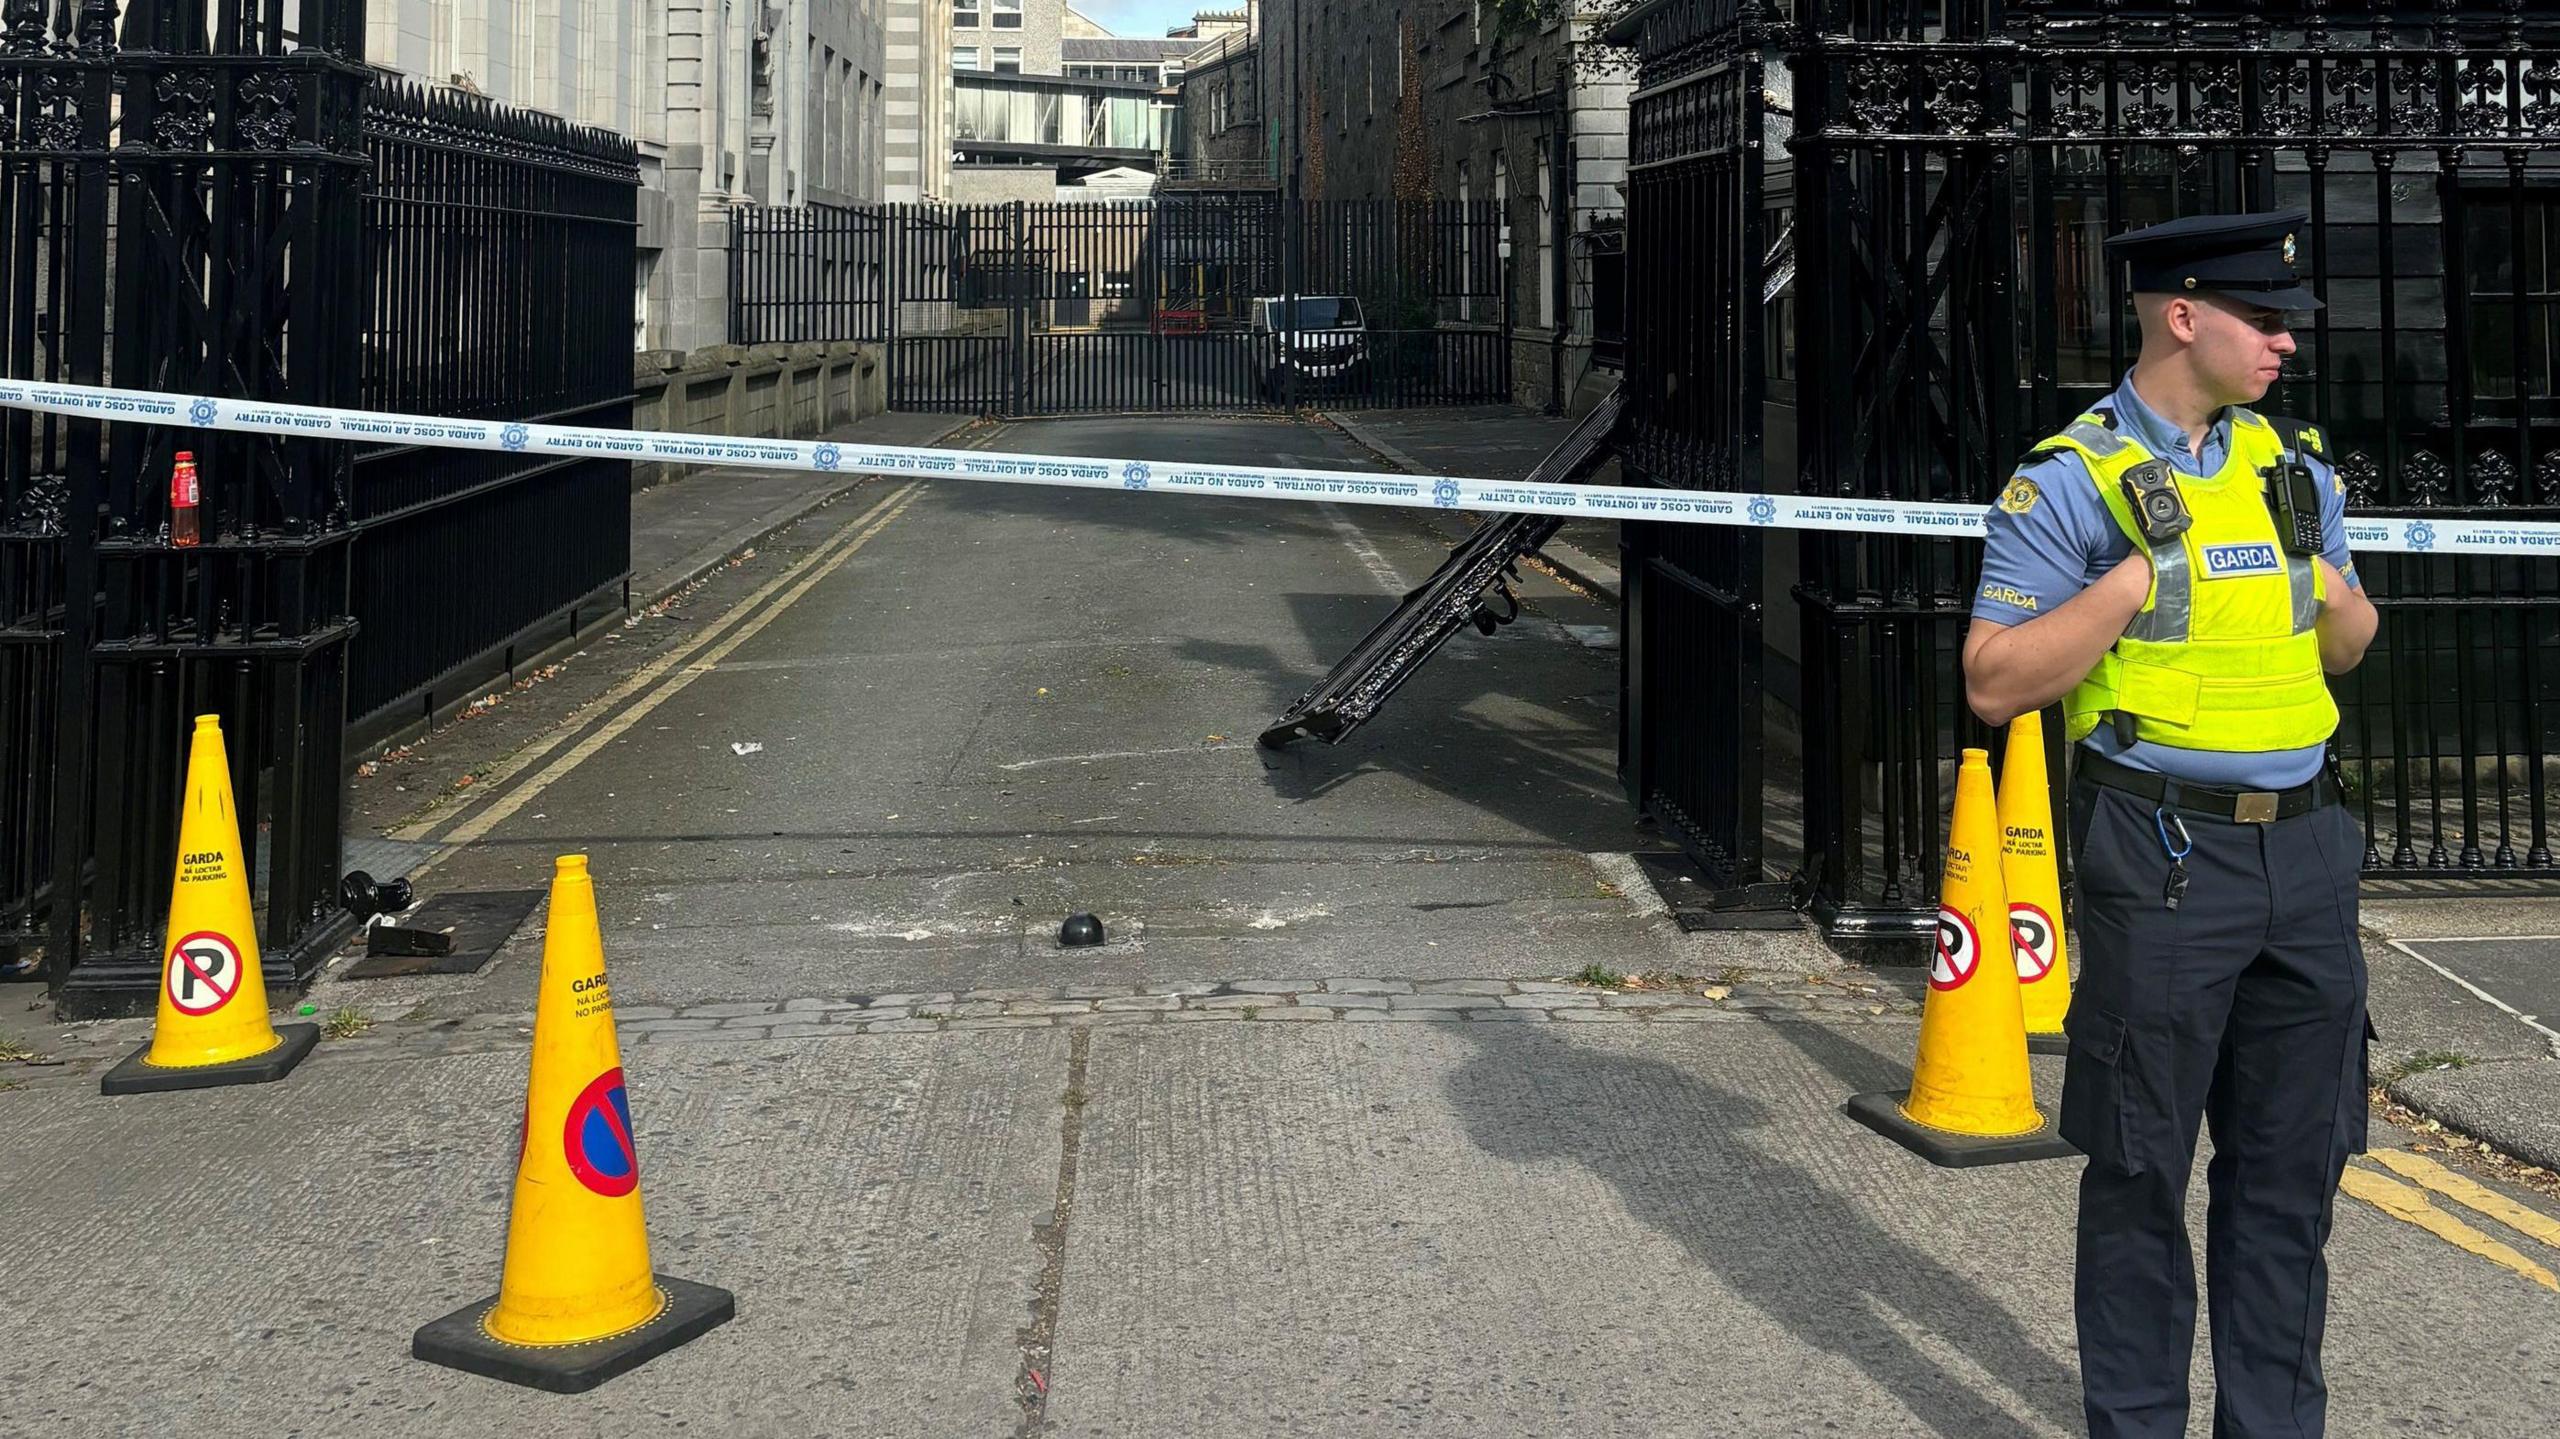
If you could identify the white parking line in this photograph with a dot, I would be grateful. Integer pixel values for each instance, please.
(2532, 1022)
(1380, 568)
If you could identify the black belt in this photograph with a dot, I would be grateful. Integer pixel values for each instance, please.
(2236, 806)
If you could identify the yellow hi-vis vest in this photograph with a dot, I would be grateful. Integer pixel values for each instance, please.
(2225, 653)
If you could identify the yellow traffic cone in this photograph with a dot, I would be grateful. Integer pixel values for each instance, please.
(1971, 1100)
(212, 1028)
(577, 1302)
(2034, 884)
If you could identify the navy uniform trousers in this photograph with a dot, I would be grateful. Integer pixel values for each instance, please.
(2244, 1007)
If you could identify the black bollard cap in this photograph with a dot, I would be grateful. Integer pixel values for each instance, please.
(364, 898)
(1081, 931)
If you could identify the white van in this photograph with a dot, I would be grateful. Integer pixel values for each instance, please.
(1324, 341)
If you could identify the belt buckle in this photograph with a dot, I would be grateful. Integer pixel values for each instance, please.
(2255, 807)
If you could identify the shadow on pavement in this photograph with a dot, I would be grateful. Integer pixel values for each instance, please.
(1546, 770)
(1706, 1166)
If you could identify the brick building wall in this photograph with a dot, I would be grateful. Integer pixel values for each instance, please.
(1436, 99)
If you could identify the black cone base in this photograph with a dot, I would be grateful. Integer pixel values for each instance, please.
(1883, 1114)
(133, 1076)
(2054, 1043)
(458, 1342)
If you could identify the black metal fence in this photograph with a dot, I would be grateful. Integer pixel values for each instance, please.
(183, 206)
(1166, 304)
(1914, 294)
(500, 253)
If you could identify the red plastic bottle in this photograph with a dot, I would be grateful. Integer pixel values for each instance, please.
(184, 495)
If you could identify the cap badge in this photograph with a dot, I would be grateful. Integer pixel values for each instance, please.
(2288, 249)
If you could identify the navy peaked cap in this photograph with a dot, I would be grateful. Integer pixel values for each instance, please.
(2247, 257)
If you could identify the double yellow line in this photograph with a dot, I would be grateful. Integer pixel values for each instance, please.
(2412, 1203)
(652, 685)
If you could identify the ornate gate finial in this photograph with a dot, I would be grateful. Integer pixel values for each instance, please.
(97, 27)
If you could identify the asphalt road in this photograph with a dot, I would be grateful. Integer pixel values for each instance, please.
(983, 708)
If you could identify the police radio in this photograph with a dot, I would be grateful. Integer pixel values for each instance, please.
(2157, 505)
(2295, 495)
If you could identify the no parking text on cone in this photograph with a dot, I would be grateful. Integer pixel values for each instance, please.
(1971, 1101)
(212, 1027)
(577, 1302)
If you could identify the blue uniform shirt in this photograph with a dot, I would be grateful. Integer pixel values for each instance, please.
(2065, 540)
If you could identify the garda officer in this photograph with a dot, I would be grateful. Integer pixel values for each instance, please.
(2173, 568)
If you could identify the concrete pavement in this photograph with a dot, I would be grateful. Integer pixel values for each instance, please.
(1147, 1227)
(1290, 1155)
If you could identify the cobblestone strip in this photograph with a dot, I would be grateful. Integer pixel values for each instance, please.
(1279, 1001)
(1852, 1000)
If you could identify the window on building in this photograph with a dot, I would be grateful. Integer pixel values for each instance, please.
(1466, 250)
(1008, 14)
(1542, 284)
(1500, 266)
(1778, 331)
(644, 265)
(1008, 59)
(2083, 325)
(1606, 247)
(964, 13)
(964, 57)
(2513, 260)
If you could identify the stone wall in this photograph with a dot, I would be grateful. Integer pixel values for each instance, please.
(774, 391)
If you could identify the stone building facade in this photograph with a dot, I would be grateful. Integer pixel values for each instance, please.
(1008, 36)
(918, 156)
(1229, 135)
(779, 102)
(1446, 100)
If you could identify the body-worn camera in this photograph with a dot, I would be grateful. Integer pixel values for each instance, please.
(2157, 505)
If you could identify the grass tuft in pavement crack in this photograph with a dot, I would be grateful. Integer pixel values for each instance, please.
(347, 1023)
(2427, 1059)
(1600, 976)
(1039, 1337)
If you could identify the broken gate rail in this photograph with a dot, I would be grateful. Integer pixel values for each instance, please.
(1431, 612)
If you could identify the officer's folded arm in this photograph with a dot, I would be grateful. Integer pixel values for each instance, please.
(2010, 670)
(2347, 621)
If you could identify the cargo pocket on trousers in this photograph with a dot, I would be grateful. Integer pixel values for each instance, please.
(2095, 1079)
(2356, 1101)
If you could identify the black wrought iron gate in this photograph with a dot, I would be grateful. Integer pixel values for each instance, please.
(220, 199)
(1900, 267)
(1692, 749)
(1195, 301)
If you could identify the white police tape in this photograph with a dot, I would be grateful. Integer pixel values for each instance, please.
(1706, 507)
